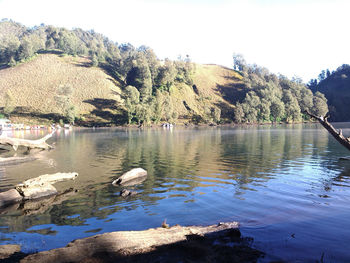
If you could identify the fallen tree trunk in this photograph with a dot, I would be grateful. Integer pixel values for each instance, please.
(173, 244)
(337, 134)
(29, 144)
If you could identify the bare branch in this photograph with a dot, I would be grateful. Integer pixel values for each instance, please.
(338, 135)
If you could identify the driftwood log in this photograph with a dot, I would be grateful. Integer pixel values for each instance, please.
(116, 245)
(337, 134)
(29, 144)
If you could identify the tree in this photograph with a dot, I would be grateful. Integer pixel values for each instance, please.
(238, 113)
(216, 114)
(320, 107)
(132, 99)
(239, 62)
(322, 75)
(158, 107)
(9, 103)
(64, 101)
(277, 110)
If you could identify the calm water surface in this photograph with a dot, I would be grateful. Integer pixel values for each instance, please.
(284, 184)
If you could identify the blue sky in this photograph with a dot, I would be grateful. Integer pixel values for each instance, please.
(294, 38)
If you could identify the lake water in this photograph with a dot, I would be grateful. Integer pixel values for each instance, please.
(284, 184)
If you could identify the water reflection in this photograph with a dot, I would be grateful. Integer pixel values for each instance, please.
(257, 175)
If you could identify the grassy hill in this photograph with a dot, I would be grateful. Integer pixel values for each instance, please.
(33, 86)
(336, 88)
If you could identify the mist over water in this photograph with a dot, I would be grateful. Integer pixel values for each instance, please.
(284, 184)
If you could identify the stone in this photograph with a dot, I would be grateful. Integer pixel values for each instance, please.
(36, 191)
(10, 197)
(49, 178)
(126, 192)
(131, 175)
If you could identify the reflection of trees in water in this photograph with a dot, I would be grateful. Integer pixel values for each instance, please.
(260, 151)
(178, 162)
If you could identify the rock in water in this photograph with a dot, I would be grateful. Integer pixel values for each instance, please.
(126, 192)
(133, 174)
(36, 191)
(49, 178)
(10, 197)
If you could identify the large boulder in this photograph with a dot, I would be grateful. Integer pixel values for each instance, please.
(10, 197)
(133, 177)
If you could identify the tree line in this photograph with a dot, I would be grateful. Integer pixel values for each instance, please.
(147, 81)
(272, 98)
(136, 69)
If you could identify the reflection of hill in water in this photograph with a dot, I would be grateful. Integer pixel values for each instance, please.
(179, 162)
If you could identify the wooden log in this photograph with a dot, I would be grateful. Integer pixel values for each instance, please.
(123, 243)
(338, 135)
(29, 144)
(134, 175)
(10, 197)
(48, 178)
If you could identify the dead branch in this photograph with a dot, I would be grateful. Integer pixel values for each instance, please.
(338, 135)
(29, 144)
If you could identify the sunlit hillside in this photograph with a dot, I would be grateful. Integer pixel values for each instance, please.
(33, 86)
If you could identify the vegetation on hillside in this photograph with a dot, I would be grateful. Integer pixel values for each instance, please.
(336, 88)
(145, 89)
(274, 98)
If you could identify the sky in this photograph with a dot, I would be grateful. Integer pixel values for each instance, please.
(295, 38)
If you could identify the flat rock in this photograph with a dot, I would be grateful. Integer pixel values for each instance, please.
(48, 178)
(130, 176)
(123, 243)
(10, 197)
(36, 191)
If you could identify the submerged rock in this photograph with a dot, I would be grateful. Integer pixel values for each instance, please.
(126, 192)
(134, 175)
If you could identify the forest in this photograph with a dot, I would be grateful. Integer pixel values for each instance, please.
(146, 81)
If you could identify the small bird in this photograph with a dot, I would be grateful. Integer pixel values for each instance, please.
(164, 224)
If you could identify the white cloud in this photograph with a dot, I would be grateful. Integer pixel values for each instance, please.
(291, 37)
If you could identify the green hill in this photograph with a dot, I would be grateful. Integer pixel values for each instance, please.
(336, 88)
(49, 73)
(97, 95)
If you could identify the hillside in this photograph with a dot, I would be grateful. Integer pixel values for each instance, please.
(97, 95)
(336, 88)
